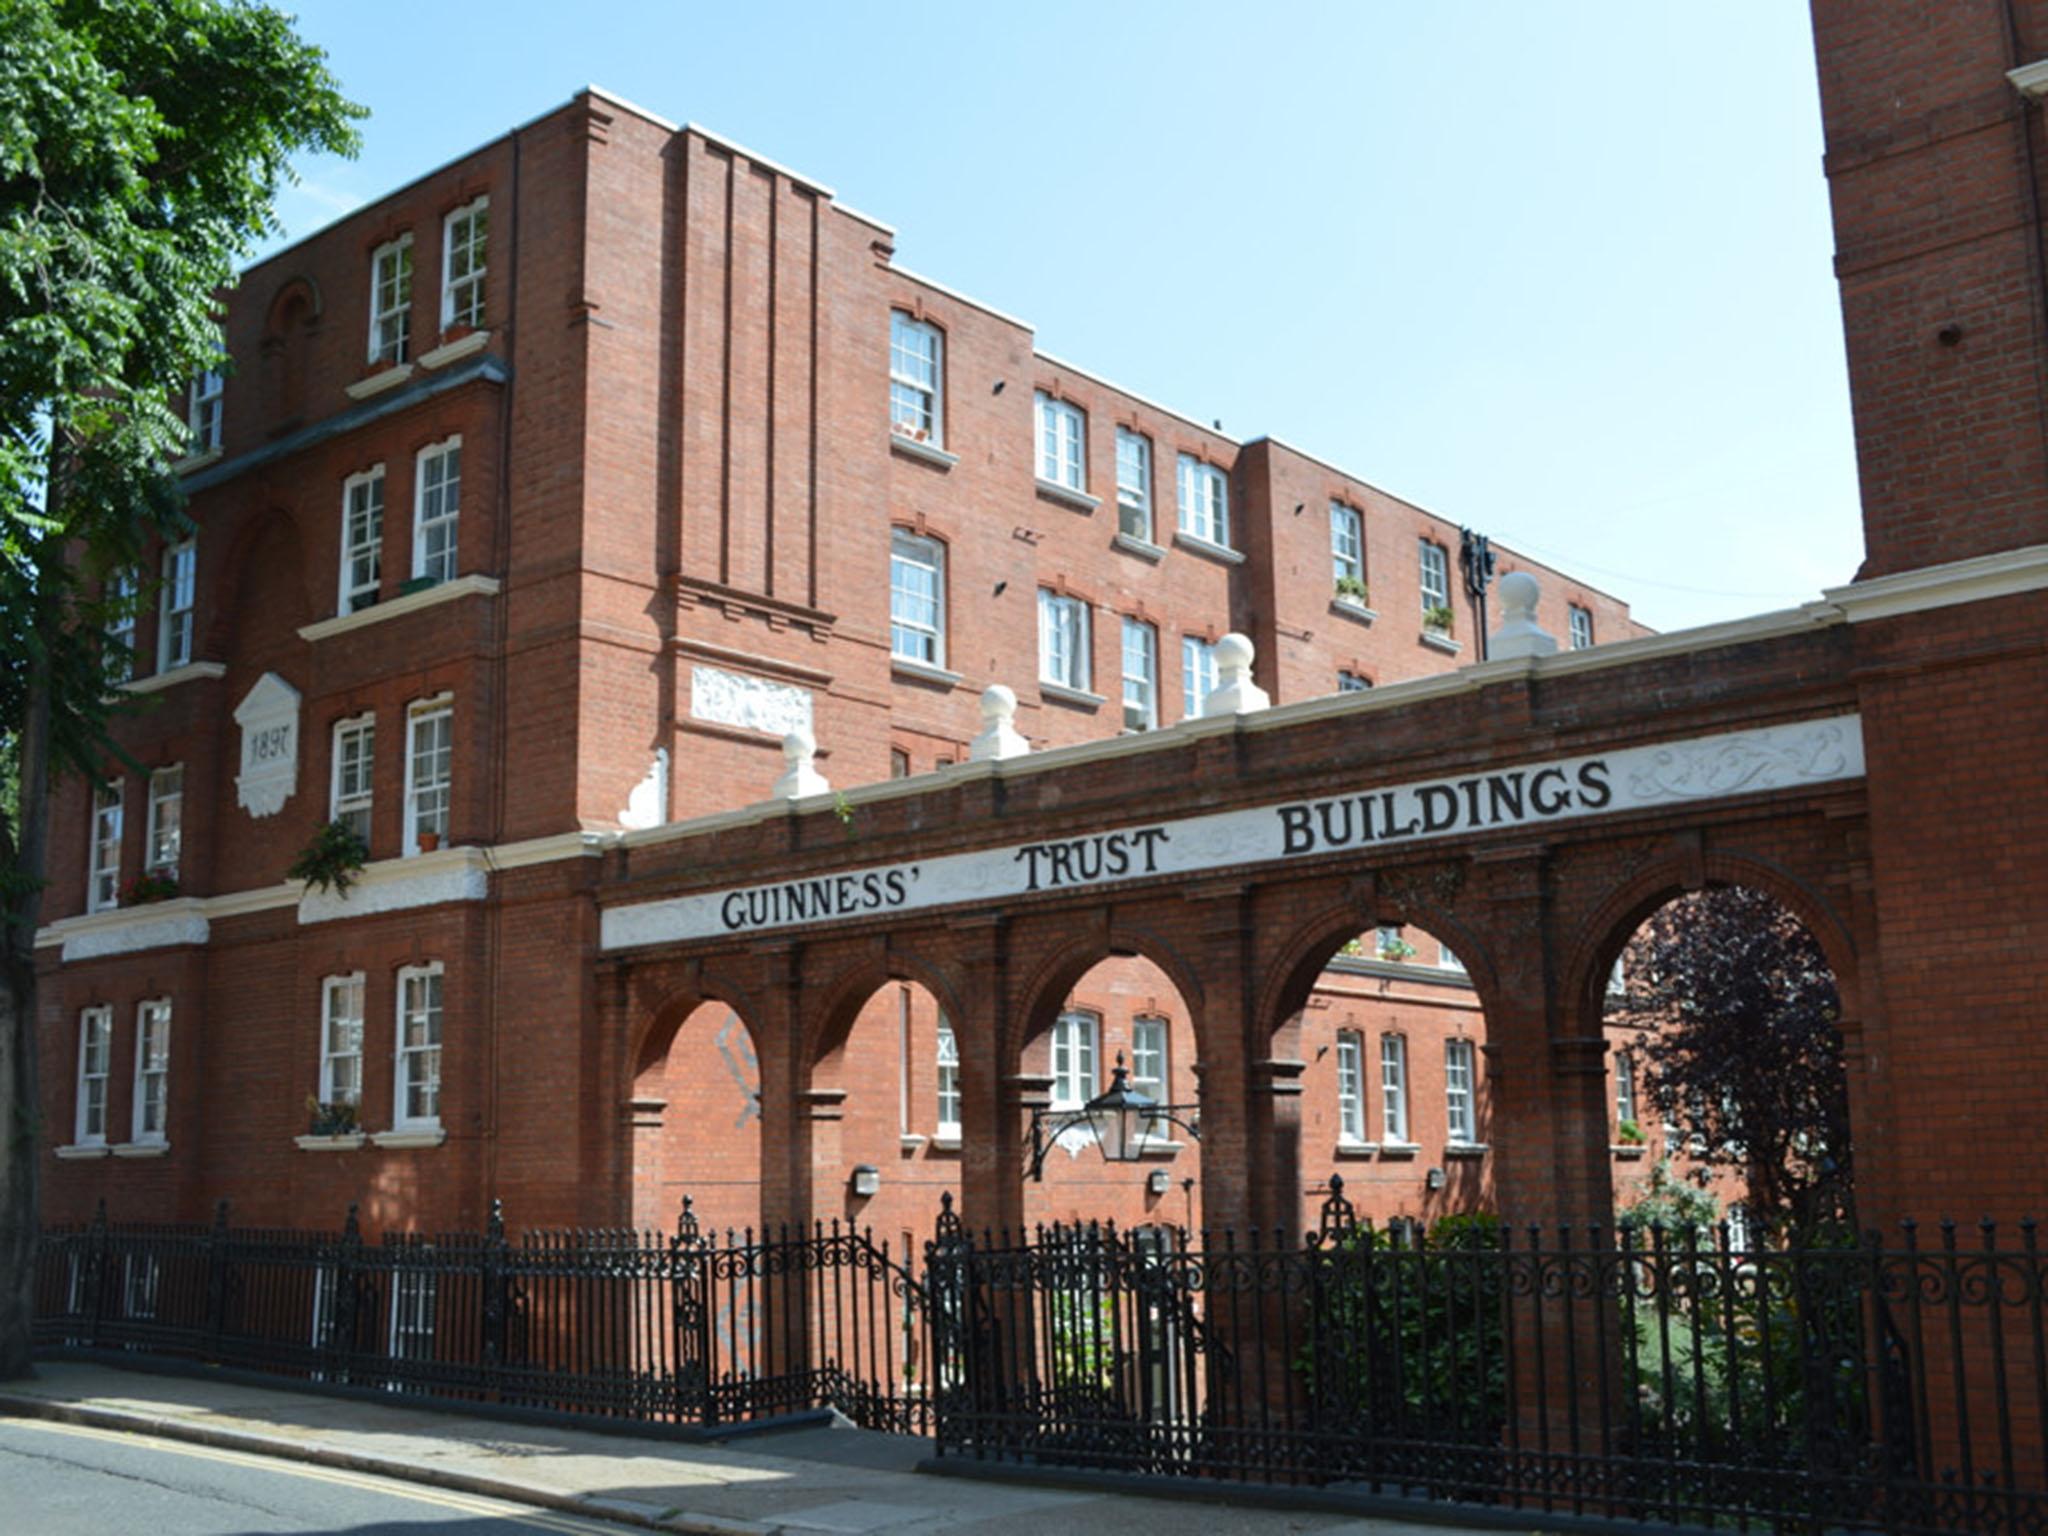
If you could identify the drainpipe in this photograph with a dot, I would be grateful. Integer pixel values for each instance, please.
(1475, 557)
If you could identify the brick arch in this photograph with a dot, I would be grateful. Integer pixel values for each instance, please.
(1301, 957)
(825, 1027)
(297, 294)
(1623, 910)
(264, 554)
(653, 1037)
(1059, 972)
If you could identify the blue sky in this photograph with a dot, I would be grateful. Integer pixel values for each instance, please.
(1558, 271)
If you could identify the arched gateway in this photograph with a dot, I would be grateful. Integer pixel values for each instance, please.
(1527, 811)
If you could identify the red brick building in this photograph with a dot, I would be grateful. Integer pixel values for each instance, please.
(543, 497)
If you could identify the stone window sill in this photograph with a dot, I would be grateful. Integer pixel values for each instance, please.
(377, 383)
(1437, 640)
(177, 675)
(1350, 608)
(419, 1136)
(924, 672)
(79, 1151)
(1357, 1148)
(910, 1141)
(191, 464)
(1196, 545)
(347, 1143)
(1078, 697)
(398, 607)
(1160, 1147)
(142, 1149)
(1067, 495)
(1398, 1150)
(924, 453)
(451, 351)
(1466, 1149)
(946, 1141)
(1144, 549)
(1629, 1151)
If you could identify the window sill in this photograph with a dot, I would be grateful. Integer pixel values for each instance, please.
(1159, 1147)
(141, 1148)
(1131, 544)
(1359, 1149)
(1080, 698)
(78, 1152)
(422, 1136)
(398, 607)
(910, 1141)
(377, 383)
(945, 1141)
(924, 453)
(1348, 608)
(346, 1143)
(1402, 1151)
(1067, 495)
(1195, 544)
(1624, 1152)
(192, 463)
(451, 351)
(177, 675)
(1465, 1149)
(924, 672)
(1437, 640)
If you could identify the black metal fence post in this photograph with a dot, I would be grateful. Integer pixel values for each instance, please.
(216, 1281)
(690, 1304)
(491, 1357)
(96, 1275)
(347, 1260)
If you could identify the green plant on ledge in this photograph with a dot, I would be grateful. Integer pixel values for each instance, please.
(151, 885)
(332, 860)
(1352, 587)
(1396, 949)
(336, 1119)
(1629, 1134)
(1437, 618)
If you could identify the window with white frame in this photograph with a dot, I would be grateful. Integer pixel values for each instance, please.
(1394, 1089)
(1624, 1088)
(362, 539)
(1149, 1065)
(341, 1039)
(948, 1080)
(1436, 575)
(1741, 1235)
(465, 242)
(1350, 1086)
(916, 375)
(436, 503)
(1581, 627)
(1062, 443)
(152, 1070)
(1204, 501)
(1197, 675)
(175, 606)
(1062, 640)
(1134, 484)
(202, 412)
(1074, 1034)
(103, 858)
(166, 820)
(1141, 675)
(429, 770)
(355, 750)
(139, 1273)
(1352, 682)
(95, 1056)
(417, 1103)
(1448, 960)
(391, 302)
(413, 1296)
(119, 596)
(1347, 547)
(1461, 1116)
(917, 598)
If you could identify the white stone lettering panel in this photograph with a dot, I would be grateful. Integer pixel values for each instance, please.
(269, 718)
(751, 703)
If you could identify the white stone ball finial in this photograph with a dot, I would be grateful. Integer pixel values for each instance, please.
(1235, 692)
(999, 737)
(800, 774)
(1519, 634)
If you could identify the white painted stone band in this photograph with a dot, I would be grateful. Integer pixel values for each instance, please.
(1513, 795)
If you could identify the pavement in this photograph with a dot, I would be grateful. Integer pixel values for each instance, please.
(801, 1481)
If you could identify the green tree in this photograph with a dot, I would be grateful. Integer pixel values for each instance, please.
(141, 145)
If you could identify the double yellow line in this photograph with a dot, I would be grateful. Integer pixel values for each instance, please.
(466, 1503)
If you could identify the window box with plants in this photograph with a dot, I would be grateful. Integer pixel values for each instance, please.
(331, 1127)
(150, 886)
(332, 860)
(1438, 618)
(1630, 1144)
(1353, 599)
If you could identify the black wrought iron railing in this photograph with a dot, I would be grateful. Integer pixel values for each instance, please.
(691, 1329)
(1651, 1378)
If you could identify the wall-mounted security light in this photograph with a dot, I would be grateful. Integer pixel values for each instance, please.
(866, 1180)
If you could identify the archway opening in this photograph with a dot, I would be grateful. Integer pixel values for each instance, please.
(1729, 1094)
(1122, 1011)
(696, 1112)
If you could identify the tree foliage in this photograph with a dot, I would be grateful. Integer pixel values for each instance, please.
(141, 144)
(1742, 1047)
